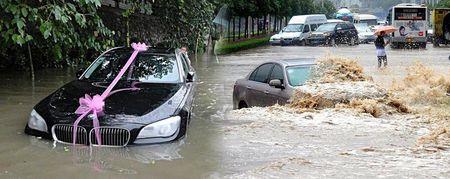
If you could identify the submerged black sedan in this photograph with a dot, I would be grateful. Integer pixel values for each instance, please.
(151, 103)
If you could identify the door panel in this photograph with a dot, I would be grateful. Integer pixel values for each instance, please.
(256, 87)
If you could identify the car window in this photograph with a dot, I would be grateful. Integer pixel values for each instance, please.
(252, 76)
(351, 27)
(277, 73)
(298, 75)
(185, 64)
(313, 27)
(339, 27)
(306, 28)
(146, 68)
(263, 73)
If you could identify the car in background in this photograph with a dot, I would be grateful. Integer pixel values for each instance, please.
(333, 34)
(151, 103)
(334, 20)
(365, 33)
(276, 39)
(299, 28)
(271, 83)
(368, 19)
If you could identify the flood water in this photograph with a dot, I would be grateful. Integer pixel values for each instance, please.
(201, 154)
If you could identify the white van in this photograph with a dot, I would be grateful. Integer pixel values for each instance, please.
(300, 27)
(368, 19)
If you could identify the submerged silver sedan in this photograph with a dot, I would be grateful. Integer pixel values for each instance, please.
(271, 83)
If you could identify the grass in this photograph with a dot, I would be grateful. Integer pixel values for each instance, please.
(224, 47)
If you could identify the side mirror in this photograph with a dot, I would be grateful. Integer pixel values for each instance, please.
(79, 73)
(190, 76)
(276, 83)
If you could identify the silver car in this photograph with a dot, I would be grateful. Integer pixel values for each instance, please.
(271, 83)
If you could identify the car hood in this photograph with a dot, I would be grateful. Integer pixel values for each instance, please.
(276, 36)
(122, 106)
(366, 34)
(290, 34)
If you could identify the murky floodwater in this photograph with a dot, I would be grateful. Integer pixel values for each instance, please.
(208, 151)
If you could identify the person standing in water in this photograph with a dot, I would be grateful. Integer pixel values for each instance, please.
(380, 44)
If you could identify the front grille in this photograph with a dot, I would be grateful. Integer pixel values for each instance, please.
(64, 133)
(110, 136)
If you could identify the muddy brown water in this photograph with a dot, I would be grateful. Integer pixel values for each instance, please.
(201, 154)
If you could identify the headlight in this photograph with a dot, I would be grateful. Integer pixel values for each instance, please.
(326, 34)
(36, 122)
(164, 128)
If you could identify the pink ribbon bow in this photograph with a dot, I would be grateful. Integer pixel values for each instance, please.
(96, 103)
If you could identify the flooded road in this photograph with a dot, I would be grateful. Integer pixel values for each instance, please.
(211, 149)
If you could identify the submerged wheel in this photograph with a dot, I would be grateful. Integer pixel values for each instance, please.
(332, 42)
(242, 104)
(352, 41)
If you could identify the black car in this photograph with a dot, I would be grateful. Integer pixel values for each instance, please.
(152, 101)
(334, 33)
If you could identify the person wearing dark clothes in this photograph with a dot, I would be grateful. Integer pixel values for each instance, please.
(381, 53)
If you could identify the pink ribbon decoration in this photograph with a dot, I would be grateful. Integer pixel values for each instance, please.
(96, 103)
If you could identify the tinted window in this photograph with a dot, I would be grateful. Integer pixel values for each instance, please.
(147, 67)
(326, 27)
(298, 75)
(277, 73)
(313, 27)
(185, 64)
(263, 73)
(351, 26)
(252, 76)
(306, 29)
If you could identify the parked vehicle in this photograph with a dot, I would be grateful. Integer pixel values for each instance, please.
(334, 33)
(441, 26)
(412, 22)
(299, 28)
(276, 39)
(152, 103)
(365, 34)
(271, 83)
(334, 20)
(368, 19)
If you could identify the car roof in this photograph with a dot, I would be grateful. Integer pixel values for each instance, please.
(168, 51)
(296, 61)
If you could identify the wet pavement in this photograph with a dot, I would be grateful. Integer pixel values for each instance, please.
(210, 150)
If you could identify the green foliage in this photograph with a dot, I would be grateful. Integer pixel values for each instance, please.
(185, 22)
(225, 48)
(56, 27)
(444, 3)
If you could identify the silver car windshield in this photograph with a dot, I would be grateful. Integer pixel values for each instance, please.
(298, 75)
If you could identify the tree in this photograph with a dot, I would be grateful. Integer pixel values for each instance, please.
(54, 26)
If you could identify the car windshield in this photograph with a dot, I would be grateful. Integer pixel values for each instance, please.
(362, 27)
(326, 27)
(369, 22)
(147, 67)
(298, 75)
(294, 28)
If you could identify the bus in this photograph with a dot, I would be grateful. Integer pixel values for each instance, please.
(411, 22)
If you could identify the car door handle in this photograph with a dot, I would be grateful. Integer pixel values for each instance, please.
(249, 87)
(266, 92)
